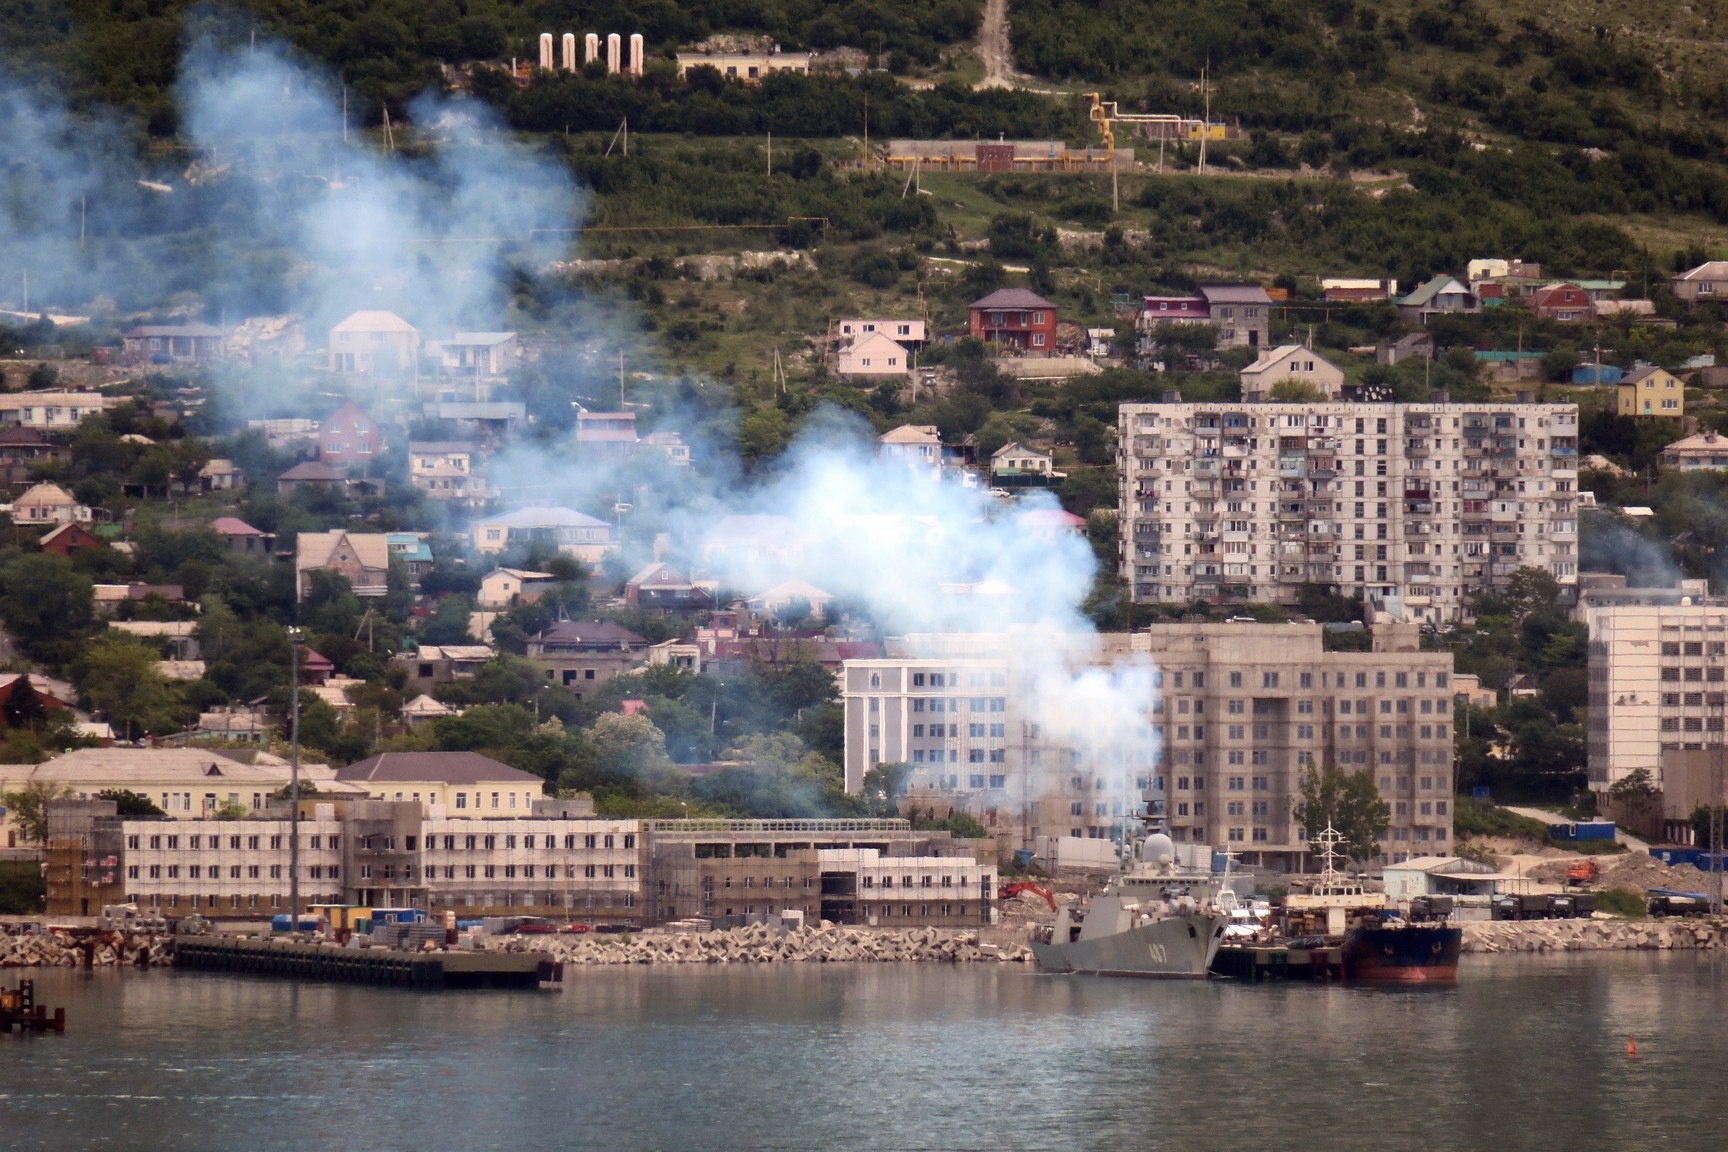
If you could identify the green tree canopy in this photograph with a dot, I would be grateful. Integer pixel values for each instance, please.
(1349, 803)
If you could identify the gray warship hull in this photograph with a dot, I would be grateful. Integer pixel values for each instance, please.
(1174, 948)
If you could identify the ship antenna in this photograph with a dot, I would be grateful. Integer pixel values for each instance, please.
(1327, 842)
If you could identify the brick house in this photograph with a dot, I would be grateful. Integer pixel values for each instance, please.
(349, 436)
(1241, 312)
(1015, 318)
(1565, 303)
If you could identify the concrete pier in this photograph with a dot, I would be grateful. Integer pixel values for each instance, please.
(420, 970)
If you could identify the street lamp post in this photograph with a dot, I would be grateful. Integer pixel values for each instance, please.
(294, 640)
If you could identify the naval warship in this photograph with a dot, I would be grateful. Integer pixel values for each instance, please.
(1154, 919)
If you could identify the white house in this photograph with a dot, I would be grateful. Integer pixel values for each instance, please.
(374, 344)
(1290, 362)
(874, 355)
(478, 353)
(908, 333)
(1012, 459)
(773, 601)
(570, 532)
(51, 409)
(918, 446)
(48, 504)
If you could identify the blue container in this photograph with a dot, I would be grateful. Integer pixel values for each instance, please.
(1583, 830)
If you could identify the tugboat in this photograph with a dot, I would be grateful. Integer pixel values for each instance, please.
(1154, 919)
(1379, 945)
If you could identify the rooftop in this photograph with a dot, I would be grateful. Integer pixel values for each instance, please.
(1012, 298)
(443, 767)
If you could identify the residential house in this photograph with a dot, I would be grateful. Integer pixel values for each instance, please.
(906, 333)
(375, 344)
(1242, 314)
(174, 344)
(315, 668)
(1050, 523)
(606, 435)
(1704, 284)
(874, 356)
(1563, 303)
(69, 538)
(431, 665)
(108, 598)
(508, 587)
(52, 410)
(1637, 311)
(1345, 291)
(311, 474)
(573, 533)
(1442, 294)
(23, 450)
(917, 446)
(444, 470)
(1601, 291)
(220, 476)
(1290, 362)
(1015, 462)
(478, 355)
(775, 601)
(480, 417)
(422, 709)
(671, 445)
(363, 557)
(1651, 392)
(1707, 450)
(48, 504)
(1015, 318)
(241, 537)
(349, 436)
(453, 783)
(1406, 347)
(235, 727)
(584, 654)
(412, 550)
(664, 588)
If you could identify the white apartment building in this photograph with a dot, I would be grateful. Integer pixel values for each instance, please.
(1658, 674)
(1427, 503)
(230, 867)
(580, 866)
(1238, 712)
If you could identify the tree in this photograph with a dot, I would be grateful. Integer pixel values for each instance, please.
(29, 808)
(128, 803)
(1635, 795)
(1349, 803)
(883, 786)
(232, 809)
(43, 598)
(122, 680)
(1293, 391)
(628, 746)
(449, 622)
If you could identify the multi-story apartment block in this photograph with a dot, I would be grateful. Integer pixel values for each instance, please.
(231, 868)
(1427, 503)
(1236, 714)
(1658, 678)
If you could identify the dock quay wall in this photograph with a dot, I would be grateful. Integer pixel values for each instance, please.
(760, 944)
(1483, 936)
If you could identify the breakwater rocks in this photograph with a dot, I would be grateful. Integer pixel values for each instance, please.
(87, 950)
(762, 945)
(1593, 935)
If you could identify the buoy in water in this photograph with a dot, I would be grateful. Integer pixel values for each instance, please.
(1631, 1047)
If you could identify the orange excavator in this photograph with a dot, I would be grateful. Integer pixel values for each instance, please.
(1009, 891)
(1582, 872)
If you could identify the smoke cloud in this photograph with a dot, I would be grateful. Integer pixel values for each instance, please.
(275, 212)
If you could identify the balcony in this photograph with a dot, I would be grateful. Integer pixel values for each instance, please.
(1236, 579)
(1417, 449)
(1322, 468)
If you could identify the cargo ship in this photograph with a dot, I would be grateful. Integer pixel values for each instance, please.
(1371, 941)
(1402, 952)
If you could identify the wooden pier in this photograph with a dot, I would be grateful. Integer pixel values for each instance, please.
(18, 1009)
(427, 971)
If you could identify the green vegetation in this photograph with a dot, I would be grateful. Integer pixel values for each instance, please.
(1622, 902)
(1479, 818)
(23, 888)
(1347, 801)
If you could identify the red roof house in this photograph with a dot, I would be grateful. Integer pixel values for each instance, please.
(1015, 318)
(1565, 303)
(349, 436)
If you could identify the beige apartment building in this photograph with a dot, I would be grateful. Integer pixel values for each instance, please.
(1423, 503)
(1237, 712)
(1658, 674)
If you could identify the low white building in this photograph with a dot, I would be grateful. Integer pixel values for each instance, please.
(894, 890)
(1015, 460)
(63, 410)
(374, 344)
(906, 333)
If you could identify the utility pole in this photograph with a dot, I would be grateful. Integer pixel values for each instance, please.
(294, 640)
(770, 153)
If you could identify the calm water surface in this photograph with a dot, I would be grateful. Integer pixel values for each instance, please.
(1523, 1053)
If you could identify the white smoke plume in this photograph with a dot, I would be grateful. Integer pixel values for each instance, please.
(278, 203)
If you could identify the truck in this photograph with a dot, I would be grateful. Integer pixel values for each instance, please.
(127, 918)
(1668, 902)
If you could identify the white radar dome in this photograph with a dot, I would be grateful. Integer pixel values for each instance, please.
(1158, 849)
